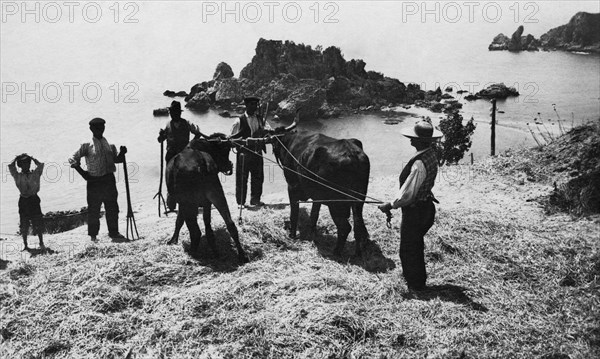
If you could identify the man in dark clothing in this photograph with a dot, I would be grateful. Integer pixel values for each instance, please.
(416, 200)
(28, 183)
(249, 161)
(100, 157)
(177, 133)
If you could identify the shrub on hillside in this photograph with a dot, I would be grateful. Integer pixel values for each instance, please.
(457, 138)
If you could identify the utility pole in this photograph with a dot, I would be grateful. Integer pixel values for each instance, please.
(493, 136)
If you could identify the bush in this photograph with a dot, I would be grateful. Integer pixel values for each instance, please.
(457, 138)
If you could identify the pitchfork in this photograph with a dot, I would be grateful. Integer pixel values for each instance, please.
(131, 226)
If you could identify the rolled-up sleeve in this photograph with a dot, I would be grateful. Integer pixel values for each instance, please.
(75, 160)
(411, 186)
(236, 127)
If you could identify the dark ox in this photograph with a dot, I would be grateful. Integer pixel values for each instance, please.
(327, 169)
(192, 177)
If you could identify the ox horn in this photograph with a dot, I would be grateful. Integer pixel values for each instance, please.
(295, 123)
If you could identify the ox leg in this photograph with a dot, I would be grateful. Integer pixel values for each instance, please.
(190, 215)
(218, 199)
(210, 236)
(294, 210)
(178, 224)
(314, 216)
(361, 235)
(340, 215)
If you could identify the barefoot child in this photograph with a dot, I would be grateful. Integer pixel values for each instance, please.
(28, 183)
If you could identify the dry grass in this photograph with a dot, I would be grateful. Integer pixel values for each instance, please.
(504, 284)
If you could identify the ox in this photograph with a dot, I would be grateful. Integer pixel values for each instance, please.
(192, 178)
(326, 169)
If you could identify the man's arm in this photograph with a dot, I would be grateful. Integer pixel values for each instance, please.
(39, 166)
(236, 127)
(75, 161)
(411, 186)
(194, 129)
(409, 189)
(12, 168)
(119, 158)
(162, 134)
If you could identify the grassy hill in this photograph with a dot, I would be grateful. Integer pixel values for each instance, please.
(506, 280)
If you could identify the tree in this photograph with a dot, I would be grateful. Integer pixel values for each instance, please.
(457, 138)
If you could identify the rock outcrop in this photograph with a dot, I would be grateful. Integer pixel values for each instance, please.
(290, 76)
(223, 71)
(516, 43)
(497, 91)
(582, 33)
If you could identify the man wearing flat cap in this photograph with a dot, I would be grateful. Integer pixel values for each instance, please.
(28, 183)
(416, 200)
(177, 133)
(100, 158)
(249, 161)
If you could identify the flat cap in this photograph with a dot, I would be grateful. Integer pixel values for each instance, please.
(97, 121)
(250, 99)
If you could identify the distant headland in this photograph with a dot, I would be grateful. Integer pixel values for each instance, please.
(581, 34)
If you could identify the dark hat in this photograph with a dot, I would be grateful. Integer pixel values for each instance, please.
(422, 130)
(97, 121)
(175, 107)
(250, 99)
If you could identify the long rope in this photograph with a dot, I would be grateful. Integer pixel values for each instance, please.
(307, 177)
(324, 179)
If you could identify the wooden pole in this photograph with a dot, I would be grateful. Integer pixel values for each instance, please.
(493, 136)
(131, 226)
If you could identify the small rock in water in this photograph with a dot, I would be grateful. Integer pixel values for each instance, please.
(161, 112)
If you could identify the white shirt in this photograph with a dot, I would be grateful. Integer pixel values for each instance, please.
(410, 188)
(99, 156)
(252, 122)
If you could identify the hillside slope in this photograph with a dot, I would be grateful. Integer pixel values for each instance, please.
(505, 280)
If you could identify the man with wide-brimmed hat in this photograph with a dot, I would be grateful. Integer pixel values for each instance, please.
(177, 133)
(249, 160)
(416, 200)
(28, 183)
(100, 158)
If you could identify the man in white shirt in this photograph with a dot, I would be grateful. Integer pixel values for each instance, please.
(100, 157)
(249, 161)
(416, 200)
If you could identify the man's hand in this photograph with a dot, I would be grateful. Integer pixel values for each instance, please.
(385, 208)
(123, 150)
(161, 135)
(85, 175)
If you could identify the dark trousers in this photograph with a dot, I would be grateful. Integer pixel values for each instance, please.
(30, 211)
(416, 221)
(248, 164)
(171, 202)
(100, 190)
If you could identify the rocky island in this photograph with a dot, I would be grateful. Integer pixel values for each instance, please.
(581, 34)
(320, 81)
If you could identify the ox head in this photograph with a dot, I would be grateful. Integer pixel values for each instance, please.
(280, 133)
(217, 147)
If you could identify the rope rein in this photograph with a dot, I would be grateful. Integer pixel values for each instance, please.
(325, 179)
(354, 199)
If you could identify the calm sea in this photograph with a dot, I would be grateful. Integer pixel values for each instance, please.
(62, 66)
